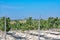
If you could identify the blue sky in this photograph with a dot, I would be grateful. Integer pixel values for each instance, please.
(16, 9)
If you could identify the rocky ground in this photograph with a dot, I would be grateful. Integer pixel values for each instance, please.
(31, 35)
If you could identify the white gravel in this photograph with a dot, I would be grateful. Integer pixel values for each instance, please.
(32, 37)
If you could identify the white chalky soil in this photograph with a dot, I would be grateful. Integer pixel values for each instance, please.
(31, 37)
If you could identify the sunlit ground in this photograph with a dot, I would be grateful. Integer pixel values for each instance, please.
(31, 35)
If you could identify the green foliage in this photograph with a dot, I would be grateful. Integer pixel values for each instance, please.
(8, 24)
(2, 24)
(30, 24)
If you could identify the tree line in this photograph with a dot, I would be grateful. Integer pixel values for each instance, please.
(29, 24)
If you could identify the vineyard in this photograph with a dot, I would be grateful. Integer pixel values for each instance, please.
(30, 23)
(30, 29)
